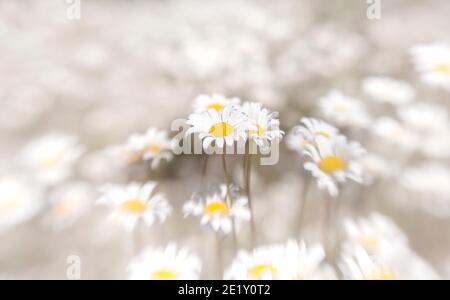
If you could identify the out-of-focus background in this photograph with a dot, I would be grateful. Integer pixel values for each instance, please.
(124, 66)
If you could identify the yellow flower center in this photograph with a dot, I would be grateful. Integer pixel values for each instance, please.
(331, 164)
(52, 160)
(369, 242)
(154, 148)
(64, 208)
(259, 130)
(217, 207)
(258, 271)
(221, 129)
(322, 133)
(443, 68)
(133, 206)
(8, 203)
(216, 106)
(383, 274)
(164, 274)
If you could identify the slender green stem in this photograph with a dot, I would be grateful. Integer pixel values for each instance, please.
(248, 188)
(219, 256)
(229, 202)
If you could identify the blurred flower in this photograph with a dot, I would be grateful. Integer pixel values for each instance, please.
(398, 265)
(165, 264)
(217, 102)
(19, 201)
(433, 62)
(389, 130)
(306, 134)
(68, 203)
(50, 158)
(334, 161)
(375, 166)
(222, 128)
(388, 90)
(290, 261)
(376, 234)
(343, 110)
(429, 184)
(264, 125)
(135, 201)
(215, 210)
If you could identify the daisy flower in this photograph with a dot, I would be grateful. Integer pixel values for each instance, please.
(425, 117)
(263, 263)
(398, 265)
(154, 146)
(333, 162)
(217, 212)
(376, 234)
(135, 201)
(388, 90)
(343, 110)
(307, 132)
(433, 63)
(165, 264)
(51, 157)
(265, 127)
(68, 203)
(390, 130)
(375, 166)
(216, 102)
(290, 261)
(19, 201)
(222, 128)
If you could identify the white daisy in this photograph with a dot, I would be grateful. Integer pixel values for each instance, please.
(400, 264)
(376, 234)
(52, 157)
(19, 201)
(343, 110)
(217, 102)
(263, 263)
(290, 261)
(222, 128)
(135, 201)
(154, 146)
(68, 203)
(216, 211)
(305, 134)
(425, 117)
(428, 183)
(264, 125)
(388, 90)
(433, 62)
(334, 161)
(389, 130)
(375, 166)
(165, 264)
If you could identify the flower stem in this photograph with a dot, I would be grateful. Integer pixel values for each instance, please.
(301, 214)
(228, 183)
(247, 173)
(219, 256)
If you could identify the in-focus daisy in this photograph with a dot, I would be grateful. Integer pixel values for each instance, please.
(264, 125)
(68, 203)
(135, 201)
(388, 90)
(343, 110)
(401, 264)
(307, 132)
(433, 62)
(376, 234)
(216, 211)
(429, 186)
(216, 102)
(167, 263)
(154, 146)
(333, 162)
(222, 128)
(19, 201)
(52, 157)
